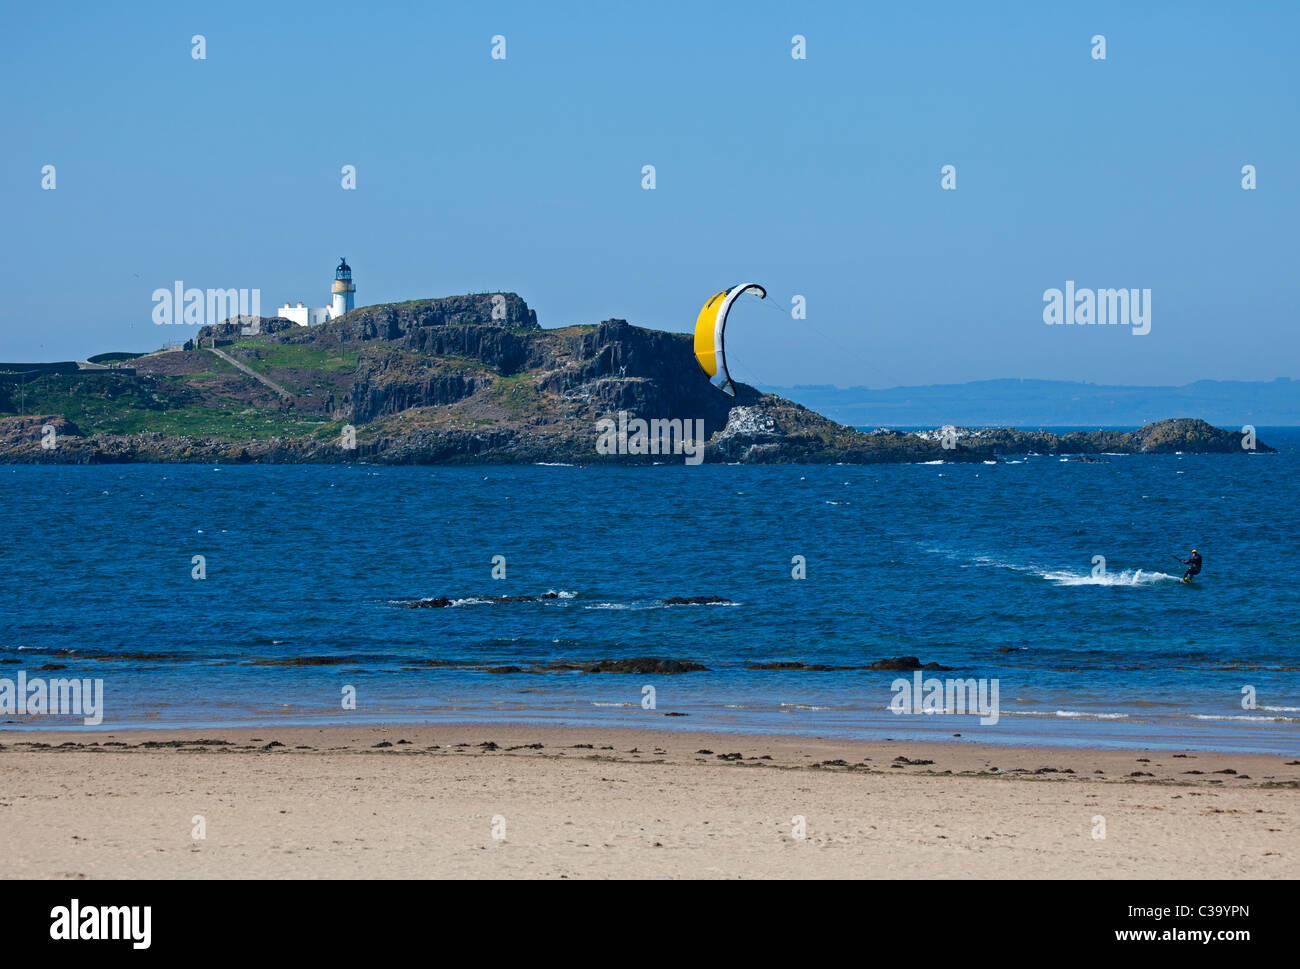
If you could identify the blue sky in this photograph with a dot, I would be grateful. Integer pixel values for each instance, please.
(818, 177)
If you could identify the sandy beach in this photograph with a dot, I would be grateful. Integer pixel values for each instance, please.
(492, 801)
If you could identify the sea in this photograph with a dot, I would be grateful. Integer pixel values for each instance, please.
(224, 595)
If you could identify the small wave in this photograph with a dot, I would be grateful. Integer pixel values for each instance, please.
(802, 706)
(1065, 714)
(1214, 716)
(447, 603)
(1281, 709)
(999, 564)
(638, 606)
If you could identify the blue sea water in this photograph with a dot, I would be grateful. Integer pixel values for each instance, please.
(988, 569)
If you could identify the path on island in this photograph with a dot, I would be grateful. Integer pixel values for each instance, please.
(250, 371)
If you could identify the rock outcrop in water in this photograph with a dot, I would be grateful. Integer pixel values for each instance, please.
(1186, 435)
(903, 664)
(443, 602)
(466, 379)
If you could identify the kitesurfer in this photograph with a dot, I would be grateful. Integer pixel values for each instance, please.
(1193, 565)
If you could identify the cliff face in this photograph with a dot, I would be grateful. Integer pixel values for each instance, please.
(460, 380)
(406, 321)
(384, 386)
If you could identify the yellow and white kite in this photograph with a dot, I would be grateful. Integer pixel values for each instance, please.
(709, 330)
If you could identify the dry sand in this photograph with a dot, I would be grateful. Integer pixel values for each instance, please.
(616, 803)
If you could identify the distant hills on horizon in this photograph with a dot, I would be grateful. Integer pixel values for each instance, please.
(1053, 403)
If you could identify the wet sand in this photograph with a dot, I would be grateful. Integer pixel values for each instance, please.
(478, 801)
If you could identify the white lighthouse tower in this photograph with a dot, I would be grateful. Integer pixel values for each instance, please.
(343, 292)
(343, 289)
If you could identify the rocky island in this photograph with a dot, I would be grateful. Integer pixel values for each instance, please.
(461, 380)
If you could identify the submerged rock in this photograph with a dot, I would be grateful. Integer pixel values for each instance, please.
(443, 602)
(805, 667)
(644, 664)
(905, 664)
(305, 661)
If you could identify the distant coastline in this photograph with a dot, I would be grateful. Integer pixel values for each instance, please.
(1054, 403)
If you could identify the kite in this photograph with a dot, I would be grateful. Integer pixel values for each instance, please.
(709, 329)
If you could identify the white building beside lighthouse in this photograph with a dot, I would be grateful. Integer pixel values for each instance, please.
(343, 293)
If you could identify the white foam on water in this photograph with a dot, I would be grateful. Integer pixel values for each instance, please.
(1063, 577)
(1065, 714)
(1128, 577)
(803, 706)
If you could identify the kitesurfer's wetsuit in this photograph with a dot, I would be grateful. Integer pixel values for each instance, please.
(1193, 565)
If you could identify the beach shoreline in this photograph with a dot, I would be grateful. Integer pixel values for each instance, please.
(497, 800)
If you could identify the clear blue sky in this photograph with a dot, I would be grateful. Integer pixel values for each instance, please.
(818, 177)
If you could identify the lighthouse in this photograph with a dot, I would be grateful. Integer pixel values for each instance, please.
(343, 289)
(343, 295)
